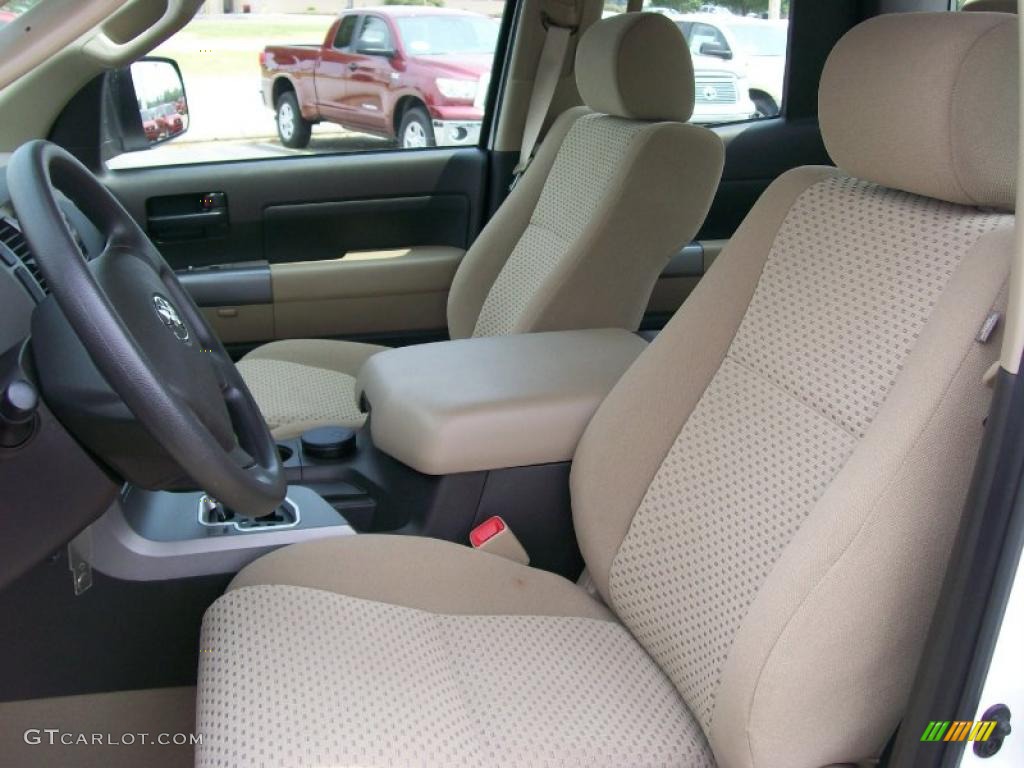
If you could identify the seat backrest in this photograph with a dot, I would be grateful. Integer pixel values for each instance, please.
(616, 188)
(768, 497)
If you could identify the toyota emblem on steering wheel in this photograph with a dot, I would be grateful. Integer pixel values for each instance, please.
(169, 316)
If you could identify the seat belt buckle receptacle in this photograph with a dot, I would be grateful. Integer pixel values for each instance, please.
(494, 536)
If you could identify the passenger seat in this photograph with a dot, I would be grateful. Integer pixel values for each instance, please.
(616, 188)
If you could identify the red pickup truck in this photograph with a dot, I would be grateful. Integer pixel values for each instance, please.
(412, 73)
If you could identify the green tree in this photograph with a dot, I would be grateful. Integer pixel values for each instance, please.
(683, 6)
(743, 7)
(740, 7)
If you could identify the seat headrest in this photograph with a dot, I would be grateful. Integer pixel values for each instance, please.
(926, 103)
(636, 65)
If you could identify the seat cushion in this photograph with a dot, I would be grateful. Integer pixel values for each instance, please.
(304, 383)
(310, 675)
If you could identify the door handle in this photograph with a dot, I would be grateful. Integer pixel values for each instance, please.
(352, 66)
(187, 217)
(188, 226)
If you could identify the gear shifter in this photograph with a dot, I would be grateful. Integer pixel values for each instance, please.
(215, 514)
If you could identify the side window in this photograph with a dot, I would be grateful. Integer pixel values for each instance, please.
(346, 29)
(374, 37)
(739, 55)
(283, 78)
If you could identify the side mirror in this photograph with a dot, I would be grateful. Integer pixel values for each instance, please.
(716, 50)
(160, 96)
(105, 118)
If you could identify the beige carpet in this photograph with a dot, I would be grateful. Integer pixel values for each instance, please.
(153, 712)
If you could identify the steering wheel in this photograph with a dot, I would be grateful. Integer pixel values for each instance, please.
(145, 336)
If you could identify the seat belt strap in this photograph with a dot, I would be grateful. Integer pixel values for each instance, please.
(549, 70)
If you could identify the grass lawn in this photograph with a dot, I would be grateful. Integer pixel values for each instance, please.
(294, 28)
(198, 64)
(230, 47)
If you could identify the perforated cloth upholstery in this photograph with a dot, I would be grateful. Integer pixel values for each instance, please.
(484, 682)
(581, 240)
(306, 383)
(590, 158)
(767, 499)
(848, 287)
(759, 608)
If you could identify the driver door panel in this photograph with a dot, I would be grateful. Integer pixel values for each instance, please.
(358, 245)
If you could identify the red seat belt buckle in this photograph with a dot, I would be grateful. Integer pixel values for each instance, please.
(494, 536)
(486, 531)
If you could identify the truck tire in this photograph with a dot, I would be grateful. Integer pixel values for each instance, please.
(765, 105)
(415, 130)
(292, 128)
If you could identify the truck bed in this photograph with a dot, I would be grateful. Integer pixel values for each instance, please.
(285, 57)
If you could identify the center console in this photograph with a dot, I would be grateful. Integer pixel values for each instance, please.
(457, 432)
(492, 403)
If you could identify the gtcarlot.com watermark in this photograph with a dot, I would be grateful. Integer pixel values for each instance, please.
(55, 736)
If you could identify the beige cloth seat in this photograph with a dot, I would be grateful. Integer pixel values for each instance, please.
(765, 502)
(478, 660)
(305, 383)
(615, 189)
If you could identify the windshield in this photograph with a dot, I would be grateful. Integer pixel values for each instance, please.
(440, 35)
(760, 40)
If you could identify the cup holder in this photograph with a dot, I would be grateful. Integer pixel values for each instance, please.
(284, 452)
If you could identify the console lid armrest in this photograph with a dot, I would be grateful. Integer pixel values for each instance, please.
(489, 403)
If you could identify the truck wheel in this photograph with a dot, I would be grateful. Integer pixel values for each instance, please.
(292, 128)
(415, 130)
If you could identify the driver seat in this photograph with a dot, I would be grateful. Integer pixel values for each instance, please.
(766, 501)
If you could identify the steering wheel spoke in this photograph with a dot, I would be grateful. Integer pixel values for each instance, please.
(241, 458)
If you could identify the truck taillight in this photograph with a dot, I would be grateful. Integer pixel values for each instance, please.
(263, 58)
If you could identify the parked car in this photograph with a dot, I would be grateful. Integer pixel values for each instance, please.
(412, 73)
(162, 121)
(171, 119)
(757, 48)
(150, 125)
(721, 94)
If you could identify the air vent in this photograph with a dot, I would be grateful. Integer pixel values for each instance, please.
(11, 236)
